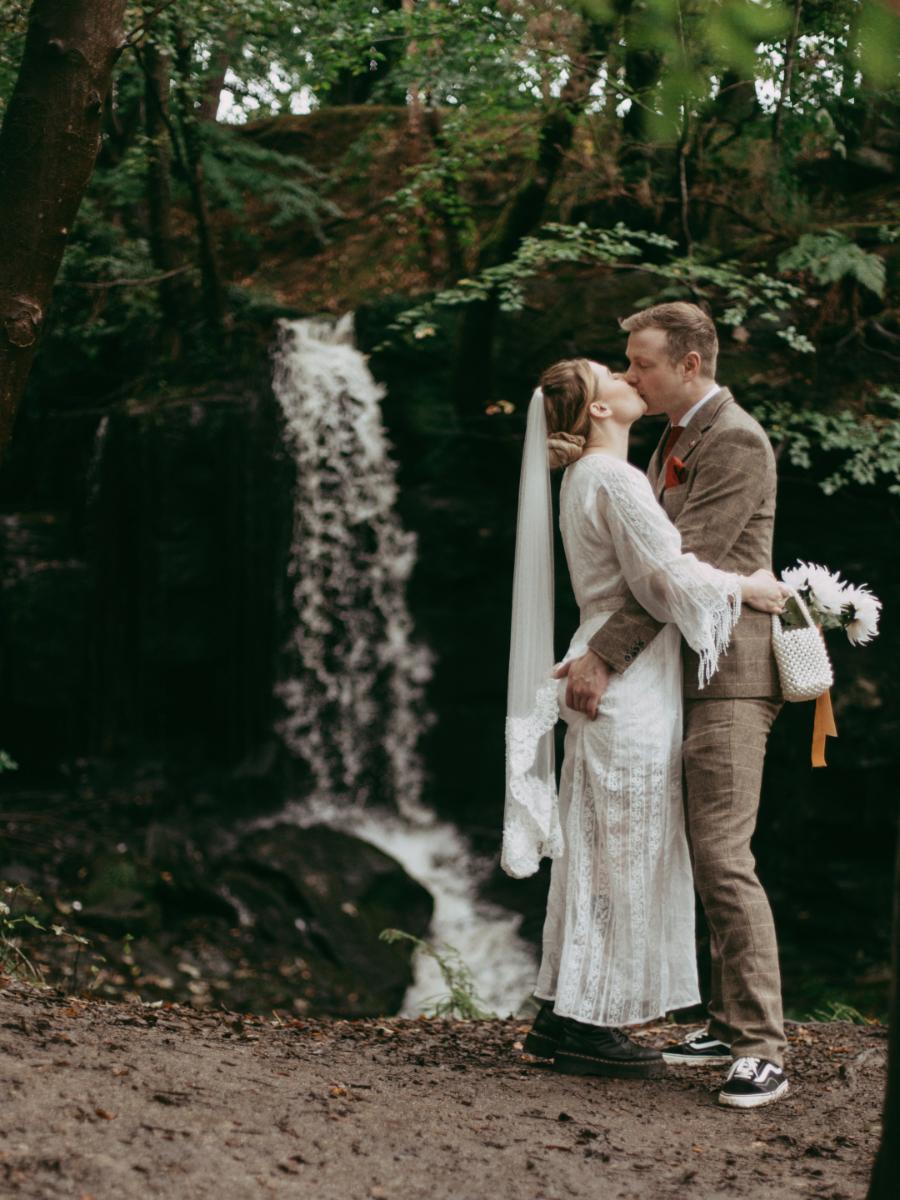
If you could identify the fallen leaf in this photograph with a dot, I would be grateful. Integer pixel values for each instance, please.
(107, 1116)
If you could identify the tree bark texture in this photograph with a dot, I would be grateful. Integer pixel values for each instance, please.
(192, 139)
(173, 292)
(790, 52)
(885, 1182)
(48, 146)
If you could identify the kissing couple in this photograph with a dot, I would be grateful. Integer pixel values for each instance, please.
(681, 554)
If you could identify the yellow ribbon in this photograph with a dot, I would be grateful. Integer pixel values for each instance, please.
(823, 727)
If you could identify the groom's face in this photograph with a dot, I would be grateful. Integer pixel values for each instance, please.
(660, 382)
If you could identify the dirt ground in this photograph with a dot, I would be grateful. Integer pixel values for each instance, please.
(119, 1101)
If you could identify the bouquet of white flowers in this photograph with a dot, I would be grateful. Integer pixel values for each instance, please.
(832, 602)
(821, 601)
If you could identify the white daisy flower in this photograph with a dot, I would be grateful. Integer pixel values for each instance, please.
(866, 608)
(827, 587)
(823, 589)
(796, 577)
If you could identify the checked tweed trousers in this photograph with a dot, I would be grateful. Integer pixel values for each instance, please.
(724, 750)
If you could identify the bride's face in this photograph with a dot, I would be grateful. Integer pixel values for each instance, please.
(623, 401)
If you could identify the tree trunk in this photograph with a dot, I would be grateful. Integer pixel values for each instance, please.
(444, 210)
(163, 246)
(885, 1182)
(736, 101)
(220, 61)
(211, 272)
(790, 53)
(642, 71)
(121, 123)
(48, 146)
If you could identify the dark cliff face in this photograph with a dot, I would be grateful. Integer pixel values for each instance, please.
(144, 611)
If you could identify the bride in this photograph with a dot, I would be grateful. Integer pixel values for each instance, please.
(618, 941)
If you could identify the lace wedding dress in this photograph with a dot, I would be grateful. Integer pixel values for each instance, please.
(618, 942)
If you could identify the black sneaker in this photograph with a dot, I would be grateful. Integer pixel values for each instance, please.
(698, 1047)
(598, 1050)
(752, 1082)
(545, 1033)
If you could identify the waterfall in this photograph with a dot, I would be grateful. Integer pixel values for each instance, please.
(354, 699)
(354, 705)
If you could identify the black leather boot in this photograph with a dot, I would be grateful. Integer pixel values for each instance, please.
(545, 1032)
(600, 1050)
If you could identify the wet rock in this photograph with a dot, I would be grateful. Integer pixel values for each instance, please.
(324, 897)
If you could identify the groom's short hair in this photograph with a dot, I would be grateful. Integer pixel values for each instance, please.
(687, 327)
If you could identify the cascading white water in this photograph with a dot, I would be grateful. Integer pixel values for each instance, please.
(355, 699)
(354, 704)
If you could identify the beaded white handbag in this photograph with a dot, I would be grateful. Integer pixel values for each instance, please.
(803, 662)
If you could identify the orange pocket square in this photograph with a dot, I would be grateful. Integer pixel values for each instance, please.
(676, 471)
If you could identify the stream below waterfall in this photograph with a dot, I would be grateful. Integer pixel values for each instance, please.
(354, 691)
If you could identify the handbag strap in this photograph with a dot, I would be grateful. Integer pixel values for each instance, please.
(801, 604)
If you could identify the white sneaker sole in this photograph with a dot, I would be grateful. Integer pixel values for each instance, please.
(717, 1060)
(754, 1101)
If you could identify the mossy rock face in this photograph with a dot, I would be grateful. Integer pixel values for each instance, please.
(283, 918)
(120, 898)
(324, 897)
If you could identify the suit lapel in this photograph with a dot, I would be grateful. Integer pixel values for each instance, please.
(654, 467)
(690, 439)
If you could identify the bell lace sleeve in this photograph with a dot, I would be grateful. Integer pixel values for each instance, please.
(671, 585)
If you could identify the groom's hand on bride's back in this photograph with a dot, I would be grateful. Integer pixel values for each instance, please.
(588, 678)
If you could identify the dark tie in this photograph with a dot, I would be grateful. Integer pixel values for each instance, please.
(672, 437)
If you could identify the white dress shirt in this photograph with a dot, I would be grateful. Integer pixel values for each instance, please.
(692, 412)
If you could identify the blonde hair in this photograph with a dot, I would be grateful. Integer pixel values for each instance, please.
(569, 387)
(687, 327)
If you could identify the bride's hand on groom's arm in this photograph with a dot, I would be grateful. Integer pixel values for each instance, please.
(588, 678)
(762, 591)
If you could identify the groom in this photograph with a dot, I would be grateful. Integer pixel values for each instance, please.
(714, 474)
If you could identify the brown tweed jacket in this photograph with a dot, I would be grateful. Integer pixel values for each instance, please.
(725, 512)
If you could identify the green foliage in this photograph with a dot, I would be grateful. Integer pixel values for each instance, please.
(741, 291)
(863, 441)
(879, 40)
(867, 443)
(555, 245)
(461, 1000)
(238, 169)
(831, 256)
(14, 961)
(99, 299)
(837, 1010)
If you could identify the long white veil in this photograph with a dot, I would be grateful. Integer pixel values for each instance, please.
(531, 828)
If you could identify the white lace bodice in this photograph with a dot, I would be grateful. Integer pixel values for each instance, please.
(618, 540)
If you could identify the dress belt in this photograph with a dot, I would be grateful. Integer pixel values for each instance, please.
(605, 604)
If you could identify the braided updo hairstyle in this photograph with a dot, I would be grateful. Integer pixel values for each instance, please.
(569, 387)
